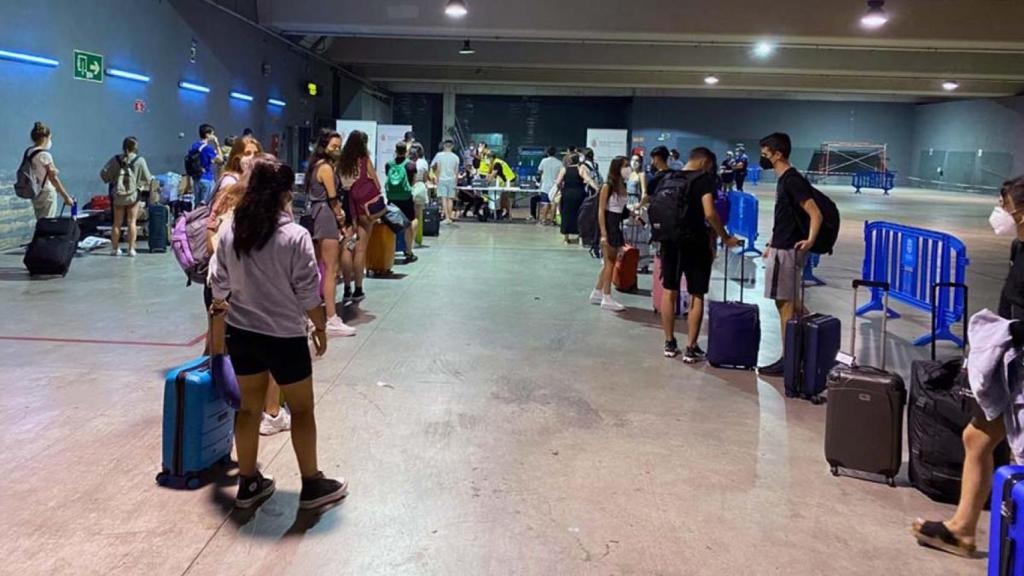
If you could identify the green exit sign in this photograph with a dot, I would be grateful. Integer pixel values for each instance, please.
(88, 66)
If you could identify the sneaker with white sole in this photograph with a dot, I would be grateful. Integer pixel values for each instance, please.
(116, 252)
(271, 425)
(611, 305)
(596, 297)
(319, 491)
(253, 490)
(132, 253)
(335, 327)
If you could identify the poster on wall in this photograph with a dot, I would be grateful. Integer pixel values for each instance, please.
(387, 136)
(607, 144)
(345, 127)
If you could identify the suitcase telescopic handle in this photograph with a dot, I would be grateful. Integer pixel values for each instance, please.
(935, 309)
(743, 273)
(884, 287)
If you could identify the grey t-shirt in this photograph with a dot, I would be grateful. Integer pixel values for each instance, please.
(447, 165)
(548, 169)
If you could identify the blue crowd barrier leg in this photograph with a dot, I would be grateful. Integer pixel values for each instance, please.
(941, 334)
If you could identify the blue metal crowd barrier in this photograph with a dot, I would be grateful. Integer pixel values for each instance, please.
(753, 174)
(743, 213)
(884, 181)
(809, 277)
(912, 260)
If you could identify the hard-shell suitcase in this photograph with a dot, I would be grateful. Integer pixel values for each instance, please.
(431, 220)
(380, 253)
(941, 406)
(638, 235)
(657, 291)
(1006, 524)
(53, 246)
(626, 265)
(159, 226)
(812, 342)
(864, 420)
(198, 425)
(734, 328)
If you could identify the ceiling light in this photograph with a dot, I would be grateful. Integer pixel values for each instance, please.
(876, 16)
(276, 102)
(456, 8)
(127, 75)
(950, 85)
(193, 87)
(28, 58)
(467, 50)
(764, 49)
(241, 96)
(711, 79)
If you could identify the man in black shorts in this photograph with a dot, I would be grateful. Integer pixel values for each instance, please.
(692, 254)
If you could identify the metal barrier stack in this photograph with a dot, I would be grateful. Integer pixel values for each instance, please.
(912, 260)
(884, 181)
(743, 214)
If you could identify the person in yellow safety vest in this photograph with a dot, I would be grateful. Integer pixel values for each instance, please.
(503, 176)
(484, 155)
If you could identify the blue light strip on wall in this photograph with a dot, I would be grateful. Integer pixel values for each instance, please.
(127, 75)
(276, 102)
(241, 96)
(193, 87)
(28, 58)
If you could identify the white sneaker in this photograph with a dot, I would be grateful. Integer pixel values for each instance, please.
(335, 327)
(611, 305)
(132, 253)
(310, 327)
(273, 424)
(596, 297)
(116, 252)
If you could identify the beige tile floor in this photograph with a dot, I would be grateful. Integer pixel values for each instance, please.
(521, 431)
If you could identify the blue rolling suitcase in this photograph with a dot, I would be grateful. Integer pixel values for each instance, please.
(812, 343)
(198, 425)
(734, 328)
(1006, 530)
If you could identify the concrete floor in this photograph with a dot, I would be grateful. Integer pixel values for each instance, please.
(489, 420)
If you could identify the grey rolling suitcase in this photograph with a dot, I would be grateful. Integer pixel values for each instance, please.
(864, 425)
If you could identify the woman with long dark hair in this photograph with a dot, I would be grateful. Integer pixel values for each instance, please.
(610, 214)
(265, 263)
(326, 206)
(573, 181)
(358, 174)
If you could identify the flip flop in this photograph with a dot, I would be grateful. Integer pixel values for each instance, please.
(936, 535)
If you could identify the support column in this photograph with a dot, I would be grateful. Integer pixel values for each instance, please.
(448, 112)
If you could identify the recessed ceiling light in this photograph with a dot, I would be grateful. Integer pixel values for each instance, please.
(711, 79)
(950, 85)
(467, 49)
(456, 8)
(876, 16)
(764, 49)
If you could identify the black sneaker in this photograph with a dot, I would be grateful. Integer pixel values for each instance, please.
(348, 293)
(253, 490)
(319, 491)
(410, 258)
(358, 295)
(777, 368)
(671, 349)
(693, 355)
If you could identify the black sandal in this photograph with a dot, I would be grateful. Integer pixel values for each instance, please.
(936, 535)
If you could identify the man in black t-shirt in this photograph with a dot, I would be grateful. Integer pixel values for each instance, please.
(691, 256)
(795, 229)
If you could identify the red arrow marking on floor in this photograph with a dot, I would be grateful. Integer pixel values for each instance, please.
(188, 344)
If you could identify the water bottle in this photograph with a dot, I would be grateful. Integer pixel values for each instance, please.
(74, 209)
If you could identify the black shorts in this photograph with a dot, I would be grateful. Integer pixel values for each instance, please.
(287, 359)
(613, 225)
(408, 207)
(690, 258)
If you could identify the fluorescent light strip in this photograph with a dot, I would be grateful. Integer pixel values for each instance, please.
(276, 102)
(127, 75)
(28, 58)
(193, 87)
(241, 96)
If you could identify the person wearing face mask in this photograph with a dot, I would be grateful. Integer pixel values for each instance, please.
(728, 171)
(45, 173)
(127, 174)
(548, 170)
(611, 212)
(692, 256)
(636, 186)
(797, 224)
(982, 436)
(740, 164)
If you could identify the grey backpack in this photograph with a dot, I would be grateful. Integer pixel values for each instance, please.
(25, 185)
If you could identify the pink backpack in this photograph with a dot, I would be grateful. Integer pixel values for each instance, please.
(188, 241)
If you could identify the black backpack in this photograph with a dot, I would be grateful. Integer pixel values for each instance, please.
(590, 230)
(669, 205)
(194, 162)
(830, 220)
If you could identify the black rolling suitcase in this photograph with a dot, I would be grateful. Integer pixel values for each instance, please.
(864, 421)
(432, 220)
(53, 246)
(812, 343)
(159, 225)
(940, 408)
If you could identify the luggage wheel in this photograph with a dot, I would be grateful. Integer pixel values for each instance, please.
(834, 470)
(161, 478)
(192, 482)
(891, 481)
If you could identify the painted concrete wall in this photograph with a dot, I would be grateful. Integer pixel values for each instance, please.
(153, 37)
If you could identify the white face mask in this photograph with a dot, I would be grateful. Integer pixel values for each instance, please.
(626, 173)
(247, 162)
(49, 144)
(1002, 222)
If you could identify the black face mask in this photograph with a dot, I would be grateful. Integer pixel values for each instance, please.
(766, 164)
